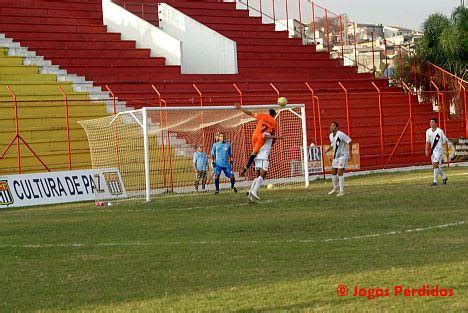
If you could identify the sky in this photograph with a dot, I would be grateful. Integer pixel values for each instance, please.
(404, 13)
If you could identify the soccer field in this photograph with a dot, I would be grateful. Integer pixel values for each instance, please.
(220, 253)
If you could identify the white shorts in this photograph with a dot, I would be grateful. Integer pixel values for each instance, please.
(262, 165)
(339, 162)
(437, 157)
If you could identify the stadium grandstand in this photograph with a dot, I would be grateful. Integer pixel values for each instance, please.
(64, 61)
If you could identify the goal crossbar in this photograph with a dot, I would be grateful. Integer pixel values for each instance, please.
(180, 122)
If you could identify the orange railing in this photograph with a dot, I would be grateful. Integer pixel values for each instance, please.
(67, 122)
(36, 127)
(390, 143)
(379, 93)
(445, 77)
(450, 90)
(164, 122)
(314, 24)
(387, 145)
(18, 138)
(304, 19)
(449, 82)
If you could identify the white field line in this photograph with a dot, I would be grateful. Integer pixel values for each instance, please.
(426, 177)
(260, 242)
(156, 210)
(397, 180)
(118, 210)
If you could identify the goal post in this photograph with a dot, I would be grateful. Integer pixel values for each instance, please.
(146, 152)
(153, 147)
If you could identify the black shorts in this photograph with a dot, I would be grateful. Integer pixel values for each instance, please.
(201, 174)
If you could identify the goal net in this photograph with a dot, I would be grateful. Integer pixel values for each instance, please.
(152, 148)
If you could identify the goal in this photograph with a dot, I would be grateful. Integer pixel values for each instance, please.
(152, 148)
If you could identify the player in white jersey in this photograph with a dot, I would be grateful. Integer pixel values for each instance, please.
(342, 147)
(261, 166)
(436, 140)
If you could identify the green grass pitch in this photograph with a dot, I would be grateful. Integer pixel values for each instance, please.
(220, 253)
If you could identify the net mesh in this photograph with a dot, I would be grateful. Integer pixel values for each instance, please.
(173, 135)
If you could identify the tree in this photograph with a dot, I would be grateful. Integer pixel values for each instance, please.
(445, 44)
(445, 41)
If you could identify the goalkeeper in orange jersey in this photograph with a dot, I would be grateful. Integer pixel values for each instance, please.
(265, 124)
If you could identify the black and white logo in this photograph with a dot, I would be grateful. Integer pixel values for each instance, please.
(113, 183)
(6, 198)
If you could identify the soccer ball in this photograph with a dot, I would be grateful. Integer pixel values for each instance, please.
(270, 186)
(282, 101)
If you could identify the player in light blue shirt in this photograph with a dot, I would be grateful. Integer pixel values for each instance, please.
(200, 165)
(222, 160)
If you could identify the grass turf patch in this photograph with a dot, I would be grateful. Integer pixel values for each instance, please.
(208, 252)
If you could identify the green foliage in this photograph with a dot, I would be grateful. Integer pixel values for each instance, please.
(403, 67)
(460, 18)
(444, 42)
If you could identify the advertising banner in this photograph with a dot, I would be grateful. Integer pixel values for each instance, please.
(60, 187)
(315, 158)
(354, 162)
(458, 150)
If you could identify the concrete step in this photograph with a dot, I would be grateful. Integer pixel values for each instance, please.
(79, 83)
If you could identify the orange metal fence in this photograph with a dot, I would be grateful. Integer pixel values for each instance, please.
(450, 89)
(390, 132)
(454, 90)
(44, 131)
